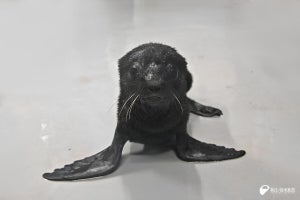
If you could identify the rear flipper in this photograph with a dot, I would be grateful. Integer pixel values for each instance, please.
(202, 110)
(190, 149)
(100, 164)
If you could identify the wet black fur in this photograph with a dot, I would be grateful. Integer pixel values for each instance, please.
(151, 126)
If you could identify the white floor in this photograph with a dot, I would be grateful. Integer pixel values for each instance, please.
(59, 85)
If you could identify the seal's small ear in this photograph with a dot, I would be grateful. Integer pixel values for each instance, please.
(189, 80)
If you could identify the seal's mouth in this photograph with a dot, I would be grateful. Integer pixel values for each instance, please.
(153, 99)
(154, 92)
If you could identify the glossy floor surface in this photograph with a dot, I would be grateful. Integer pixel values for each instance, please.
(59, 86)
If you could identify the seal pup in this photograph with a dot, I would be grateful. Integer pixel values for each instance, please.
(153, 109)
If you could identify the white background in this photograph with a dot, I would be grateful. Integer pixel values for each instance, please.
(59, 85)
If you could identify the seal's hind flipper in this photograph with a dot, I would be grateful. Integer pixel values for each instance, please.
(190, 149)
(202, 110)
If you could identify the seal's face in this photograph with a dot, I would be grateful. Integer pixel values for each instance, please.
(156, 72)
(156, 81)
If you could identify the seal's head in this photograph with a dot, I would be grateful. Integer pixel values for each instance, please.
(153, 83)
(156, 72)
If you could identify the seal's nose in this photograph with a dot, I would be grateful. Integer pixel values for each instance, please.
(154, 85)
(152, 78)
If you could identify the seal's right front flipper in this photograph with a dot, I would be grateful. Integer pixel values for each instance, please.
(100, 164)
(202, 110)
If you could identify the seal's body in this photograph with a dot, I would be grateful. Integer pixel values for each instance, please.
(154, 76)
(153, 109)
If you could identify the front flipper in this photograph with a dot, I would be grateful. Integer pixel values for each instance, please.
(190, 149)
(202, 110)
(100, 164)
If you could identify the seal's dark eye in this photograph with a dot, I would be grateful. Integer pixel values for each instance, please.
(170, 67)
(136, 65)
(173, 71)
(134, 69)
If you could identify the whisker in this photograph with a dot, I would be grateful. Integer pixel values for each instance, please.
(112, 105)
(130, 108)
(178, 103)
(126, 103)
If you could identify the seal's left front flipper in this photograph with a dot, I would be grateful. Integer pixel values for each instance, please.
(190, 149)
(202, 110)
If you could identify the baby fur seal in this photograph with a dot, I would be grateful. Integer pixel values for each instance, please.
(153, 109)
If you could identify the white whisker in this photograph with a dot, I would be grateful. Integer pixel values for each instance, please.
(130, 108)
(126, 103)
(178, 103)
(112, 105)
